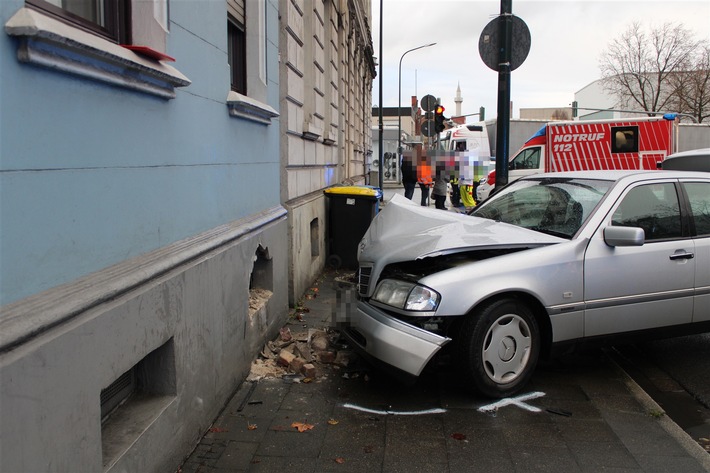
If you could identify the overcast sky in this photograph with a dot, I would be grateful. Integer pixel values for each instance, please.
(567, 39)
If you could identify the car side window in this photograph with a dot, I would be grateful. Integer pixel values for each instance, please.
(527, 159)
(699, 196)
(652, 207)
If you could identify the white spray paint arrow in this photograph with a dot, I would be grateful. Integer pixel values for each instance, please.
(516, 401)
(395, 413)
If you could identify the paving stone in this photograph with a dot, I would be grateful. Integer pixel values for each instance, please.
(666, 464)
(536, 459)
(600, 456)
(237, 456)
(273, 464)
(532, 435)
(585, 430)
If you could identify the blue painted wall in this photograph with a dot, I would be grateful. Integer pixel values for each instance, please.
(93, 174)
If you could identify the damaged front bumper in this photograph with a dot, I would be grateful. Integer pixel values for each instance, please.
(387, 339)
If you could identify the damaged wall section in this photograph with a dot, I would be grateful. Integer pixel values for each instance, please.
(181, 312)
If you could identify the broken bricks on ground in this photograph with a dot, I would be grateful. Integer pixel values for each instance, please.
(304, 353)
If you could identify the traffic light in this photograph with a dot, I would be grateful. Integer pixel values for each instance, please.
(439, 119)
(482, 114)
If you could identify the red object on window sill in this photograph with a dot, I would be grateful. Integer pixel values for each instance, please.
(149, 52)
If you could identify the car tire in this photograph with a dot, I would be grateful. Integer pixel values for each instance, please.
(498, 347)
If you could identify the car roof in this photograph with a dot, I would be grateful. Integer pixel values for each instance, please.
(694, 159)
(618, 174)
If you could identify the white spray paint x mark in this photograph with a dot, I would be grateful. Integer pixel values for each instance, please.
(516, 401)
(394, 413)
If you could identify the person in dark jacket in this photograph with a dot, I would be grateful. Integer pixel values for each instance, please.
(440, 188)
(409, 174)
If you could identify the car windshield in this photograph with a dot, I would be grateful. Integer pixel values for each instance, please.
(556, 206)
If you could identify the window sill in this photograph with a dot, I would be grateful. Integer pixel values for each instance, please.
(311, 132)
(329, 139)
(244, 107)
(46, 42)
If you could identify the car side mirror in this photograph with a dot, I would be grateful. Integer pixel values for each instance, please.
(624, 236)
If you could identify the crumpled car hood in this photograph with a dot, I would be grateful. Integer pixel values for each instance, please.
(405, 231)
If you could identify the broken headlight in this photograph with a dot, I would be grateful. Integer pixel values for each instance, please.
(406, 295)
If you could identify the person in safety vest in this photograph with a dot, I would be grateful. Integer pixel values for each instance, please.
(466, 179)
(455, 192)
(467, 192)
(424, 178)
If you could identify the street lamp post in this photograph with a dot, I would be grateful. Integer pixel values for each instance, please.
(399, 108)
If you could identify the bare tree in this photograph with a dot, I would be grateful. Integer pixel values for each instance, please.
(692, 87)
(560, 114)
(636, 68)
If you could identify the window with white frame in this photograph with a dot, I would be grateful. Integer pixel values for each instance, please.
(246, 55)
(108, 18)
(101, 35)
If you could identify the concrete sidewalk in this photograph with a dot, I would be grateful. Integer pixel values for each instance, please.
(574, 417)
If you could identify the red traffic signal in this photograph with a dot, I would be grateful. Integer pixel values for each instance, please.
(439, 119)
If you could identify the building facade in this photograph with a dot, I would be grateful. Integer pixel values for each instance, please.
(138, 223)
(327, 71)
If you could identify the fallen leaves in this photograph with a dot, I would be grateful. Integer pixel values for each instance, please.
(218, 430)
(251, 426)
(457, 436)
(340, 460)
(312, 294)
(333, 422)
(302, 426)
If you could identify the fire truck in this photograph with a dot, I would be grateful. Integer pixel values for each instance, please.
(632, 143)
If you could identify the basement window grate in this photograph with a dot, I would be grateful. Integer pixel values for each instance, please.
(132, 402)
(117, 392)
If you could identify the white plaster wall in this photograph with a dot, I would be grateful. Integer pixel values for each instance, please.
(322, 90)
(306, 266)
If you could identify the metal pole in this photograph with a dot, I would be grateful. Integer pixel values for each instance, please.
(380, 158)
(503, 122)
(399, 107)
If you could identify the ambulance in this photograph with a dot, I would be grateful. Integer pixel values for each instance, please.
(470, 137)
(632, 143)
(471, 149)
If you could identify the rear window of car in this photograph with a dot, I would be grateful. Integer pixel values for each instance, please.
(699, 197)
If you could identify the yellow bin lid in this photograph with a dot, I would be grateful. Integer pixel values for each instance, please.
(354, 190)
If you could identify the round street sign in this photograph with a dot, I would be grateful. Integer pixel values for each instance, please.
(489, 43)
(428, 103)
(428, 128)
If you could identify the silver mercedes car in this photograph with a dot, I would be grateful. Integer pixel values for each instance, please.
(552, 259)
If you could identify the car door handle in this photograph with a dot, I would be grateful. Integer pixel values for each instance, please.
(682, 255)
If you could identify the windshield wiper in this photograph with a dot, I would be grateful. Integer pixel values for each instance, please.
(547, 231)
